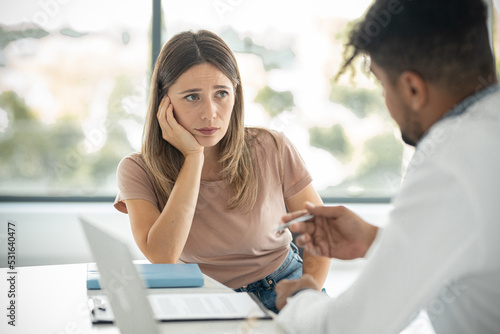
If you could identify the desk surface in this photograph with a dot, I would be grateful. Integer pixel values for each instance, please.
(53, 300)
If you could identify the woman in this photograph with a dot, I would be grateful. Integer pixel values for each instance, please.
(204, 188)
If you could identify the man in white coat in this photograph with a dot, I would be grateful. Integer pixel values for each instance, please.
(440, 251)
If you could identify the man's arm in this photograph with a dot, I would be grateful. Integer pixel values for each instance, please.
(429, 243)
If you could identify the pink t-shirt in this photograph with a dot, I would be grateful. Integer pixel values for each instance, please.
(233, 247)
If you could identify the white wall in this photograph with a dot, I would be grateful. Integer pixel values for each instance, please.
(49, 233)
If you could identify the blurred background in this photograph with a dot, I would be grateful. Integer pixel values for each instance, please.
(74, 80)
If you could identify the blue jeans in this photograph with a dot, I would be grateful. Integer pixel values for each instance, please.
(264, 288)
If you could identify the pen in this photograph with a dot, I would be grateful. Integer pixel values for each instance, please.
(293, 221)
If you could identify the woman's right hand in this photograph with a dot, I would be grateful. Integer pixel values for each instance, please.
(175, 133)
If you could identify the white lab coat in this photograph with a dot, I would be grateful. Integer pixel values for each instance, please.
(441, 249)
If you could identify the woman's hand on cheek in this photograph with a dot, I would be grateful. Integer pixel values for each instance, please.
(175, 133)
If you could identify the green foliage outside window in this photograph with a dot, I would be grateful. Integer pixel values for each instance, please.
(273, 101)
(55, 156)
(361, 101)
(382, 153)
(333, 140)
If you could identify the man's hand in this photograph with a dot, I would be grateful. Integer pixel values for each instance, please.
(334, 232)
(286, 287)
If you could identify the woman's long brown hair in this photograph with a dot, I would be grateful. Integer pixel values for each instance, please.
(180, 53)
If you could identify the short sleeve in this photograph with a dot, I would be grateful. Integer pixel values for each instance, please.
(134, 182)
(295, 174)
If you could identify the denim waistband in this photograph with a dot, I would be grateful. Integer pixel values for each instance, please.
(270, 280)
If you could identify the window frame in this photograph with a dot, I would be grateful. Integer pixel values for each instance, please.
(156, 38)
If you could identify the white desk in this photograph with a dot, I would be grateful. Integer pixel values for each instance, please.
(53, 300)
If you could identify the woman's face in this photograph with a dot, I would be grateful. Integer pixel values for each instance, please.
(203, 100)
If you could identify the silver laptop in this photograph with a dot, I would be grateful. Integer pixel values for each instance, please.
(134, 312)
(121, 282)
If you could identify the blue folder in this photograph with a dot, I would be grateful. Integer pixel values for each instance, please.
(157, 275)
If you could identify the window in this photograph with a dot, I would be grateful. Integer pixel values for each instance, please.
(74, 90)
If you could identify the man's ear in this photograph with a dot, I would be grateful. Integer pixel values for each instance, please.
(413, 89)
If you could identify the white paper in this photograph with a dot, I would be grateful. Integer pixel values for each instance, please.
(201, 306)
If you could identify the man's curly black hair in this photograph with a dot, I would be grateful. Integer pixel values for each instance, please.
(445, 41)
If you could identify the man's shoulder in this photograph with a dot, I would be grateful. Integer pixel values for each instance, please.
(461, 144)
(478, 125)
